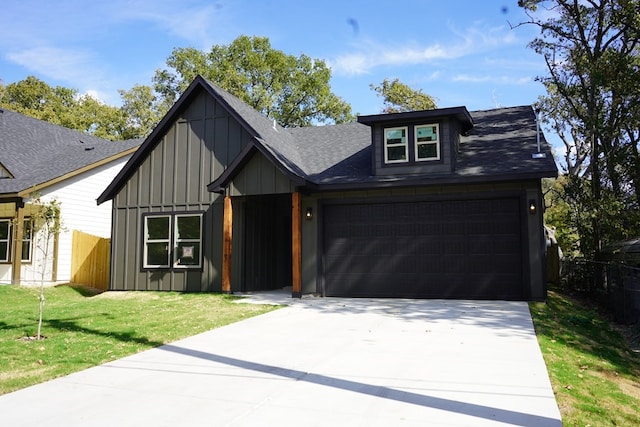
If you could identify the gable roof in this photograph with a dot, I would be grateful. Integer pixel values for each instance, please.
(497, 146)
(35, 153)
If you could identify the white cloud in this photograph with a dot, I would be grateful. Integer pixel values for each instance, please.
(59, 64)
(508, 80)
(195, 24)
(370, 55)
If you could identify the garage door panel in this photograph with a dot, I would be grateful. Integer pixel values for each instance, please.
(428, 249)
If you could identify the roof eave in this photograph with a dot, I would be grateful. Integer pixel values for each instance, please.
(219, 184)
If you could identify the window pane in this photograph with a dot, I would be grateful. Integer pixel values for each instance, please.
(188, 253)
(26, 229)
(188, 227)
(26, 250)
(396, 153)
(396, 136)
(427, 151)
(426, 133)
(157, 254)
(4, 251)
(157, 228)
(4, 230)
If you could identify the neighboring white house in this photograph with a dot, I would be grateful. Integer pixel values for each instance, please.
(40, 159)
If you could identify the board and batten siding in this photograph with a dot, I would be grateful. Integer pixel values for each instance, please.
(194, 151)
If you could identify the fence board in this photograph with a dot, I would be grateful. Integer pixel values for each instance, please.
(90, 260)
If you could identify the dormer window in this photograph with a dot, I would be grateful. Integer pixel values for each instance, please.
(427, 142)
(395, 145)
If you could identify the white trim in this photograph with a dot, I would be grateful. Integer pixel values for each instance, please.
(5, 257)
(147, 241)
(435, 142)
(177, 240)
(404, 144)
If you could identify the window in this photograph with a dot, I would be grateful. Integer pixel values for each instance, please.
(395, 145)
(5, 240)
(173, 240)
(27, 238)
(427, 142)
(5, 233)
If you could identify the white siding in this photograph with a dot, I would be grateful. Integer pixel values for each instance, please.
(79, 211)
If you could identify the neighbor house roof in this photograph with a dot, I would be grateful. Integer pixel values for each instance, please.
(498, 145)
(35, 153)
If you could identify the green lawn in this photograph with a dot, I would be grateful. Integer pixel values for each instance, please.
(83, 329)
(593, 373)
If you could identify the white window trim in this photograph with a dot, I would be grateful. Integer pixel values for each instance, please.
(436, 142)
(147, 241)
(171, 242)
(176, 239)
(5, 257)
(405, 145)
(29, 240)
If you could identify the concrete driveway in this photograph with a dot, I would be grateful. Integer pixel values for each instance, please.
(318, 362)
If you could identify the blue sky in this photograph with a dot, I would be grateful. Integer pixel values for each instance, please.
(462, 52)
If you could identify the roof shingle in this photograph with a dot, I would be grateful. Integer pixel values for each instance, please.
(35, 152)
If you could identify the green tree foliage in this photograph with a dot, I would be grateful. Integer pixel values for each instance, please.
(591, 50)
(64, 107)
(398, 97)
(143, 109)
(295, 91)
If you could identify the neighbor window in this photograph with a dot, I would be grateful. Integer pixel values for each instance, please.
(27, 237)
(395, 145)
(5, 240)
(173, 240)
(5, 233)
(427, 140)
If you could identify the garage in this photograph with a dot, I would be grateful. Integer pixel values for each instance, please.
(424, 249)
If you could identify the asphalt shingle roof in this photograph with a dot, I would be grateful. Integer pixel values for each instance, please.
(35, 152)
(498, 146)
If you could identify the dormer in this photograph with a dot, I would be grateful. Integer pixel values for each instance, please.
(417, 142)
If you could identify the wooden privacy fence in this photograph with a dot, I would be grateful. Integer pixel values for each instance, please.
(90, 259)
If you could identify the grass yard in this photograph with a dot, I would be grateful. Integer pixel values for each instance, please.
(84, 329)
(594, 374)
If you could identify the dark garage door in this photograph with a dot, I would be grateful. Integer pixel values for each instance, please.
(430, 249)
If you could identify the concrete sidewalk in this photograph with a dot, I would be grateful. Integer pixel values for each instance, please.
(318, 362)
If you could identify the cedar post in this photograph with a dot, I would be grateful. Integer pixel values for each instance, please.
(16, 253)
(296, 252)
(226, 245)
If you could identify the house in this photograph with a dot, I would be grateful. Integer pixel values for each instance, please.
(39, 159)
(443, 203)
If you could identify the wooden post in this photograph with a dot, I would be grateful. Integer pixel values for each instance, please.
(226, 245)
(16, 253)
(296, 247)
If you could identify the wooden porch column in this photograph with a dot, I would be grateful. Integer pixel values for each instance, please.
(226, 245)
(296, 247)
(16, 252)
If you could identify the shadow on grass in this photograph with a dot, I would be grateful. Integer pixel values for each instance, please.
(83, 290)
(72, 326)
(575, 325)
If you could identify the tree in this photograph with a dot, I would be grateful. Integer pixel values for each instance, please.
(294, 91)
(63, 106)
(46, 225)
(398, 97)
(143, 109)
(593, 90)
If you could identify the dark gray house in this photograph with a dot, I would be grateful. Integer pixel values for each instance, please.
(442, 203)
